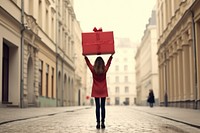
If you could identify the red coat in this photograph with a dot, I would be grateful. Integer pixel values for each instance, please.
(99, 87)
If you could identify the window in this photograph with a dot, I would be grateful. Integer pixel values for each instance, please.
(47, 22)
(63, 40)
(31, 6)
(52, 83)
(116, 79)
(72, 50)
(39, 13)
(52, 29)
(126, 89)
(59, 5)
(59, 33)
(126, 79)
(47, 79)
(40, 77)
(117, 101)
(65, 43)
(127, 101)
(65, 15)
(125, 67)
(117, 68)
(68, 47)
(117, 89)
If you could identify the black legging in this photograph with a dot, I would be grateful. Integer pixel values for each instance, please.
(103, 111)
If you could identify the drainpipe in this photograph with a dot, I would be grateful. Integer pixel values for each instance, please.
(57, 53)
(22, 56)
(195, 61)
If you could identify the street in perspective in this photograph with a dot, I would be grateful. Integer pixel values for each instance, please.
(100, 66)
(119, 119)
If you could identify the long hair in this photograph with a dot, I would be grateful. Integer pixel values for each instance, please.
(99, 65)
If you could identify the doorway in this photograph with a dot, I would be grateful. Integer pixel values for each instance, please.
(5, 74)
(30, 84)
(79, 97)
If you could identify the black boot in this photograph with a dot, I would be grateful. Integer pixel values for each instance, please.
(103, 125)
(98, 125)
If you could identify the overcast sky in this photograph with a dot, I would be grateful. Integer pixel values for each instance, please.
(127, 18)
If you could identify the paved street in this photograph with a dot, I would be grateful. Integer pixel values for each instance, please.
(119, 119)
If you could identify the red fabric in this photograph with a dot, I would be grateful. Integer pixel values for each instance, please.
(99, 87)
(98, 43)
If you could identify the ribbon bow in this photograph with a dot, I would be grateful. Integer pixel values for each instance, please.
(99, 30)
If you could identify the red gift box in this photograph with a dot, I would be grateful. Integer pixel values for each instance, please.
(98, 42)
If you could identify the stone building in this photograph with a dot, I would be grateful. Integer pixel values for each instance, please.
(65, 18)
(178, 24)
(147, 63)
(38, 66)
(80, 68)
(121, 75)
(10, 52)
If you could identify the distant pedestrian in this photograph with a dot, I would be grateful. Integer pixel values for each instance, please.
(151, 99)
(99, 87)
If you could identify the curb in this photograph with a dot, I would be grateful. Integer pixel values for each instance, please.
(39, 116)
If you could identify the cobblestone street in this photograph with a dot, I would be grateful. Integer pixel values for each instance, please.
(119, 119)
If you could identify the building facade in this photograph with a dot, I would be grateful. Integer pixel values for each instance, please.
(37, 52)
(121, 75)
(80, 68)
(147, 64)
(65, 17)
(178, 51)
(10, 49)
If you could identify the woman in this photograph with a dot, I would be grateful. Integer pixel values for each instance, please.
(99, 87)
(151, 99)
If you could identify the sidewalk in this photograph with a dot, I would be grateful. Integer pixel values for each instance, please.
(187, 116)
(15, 114)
